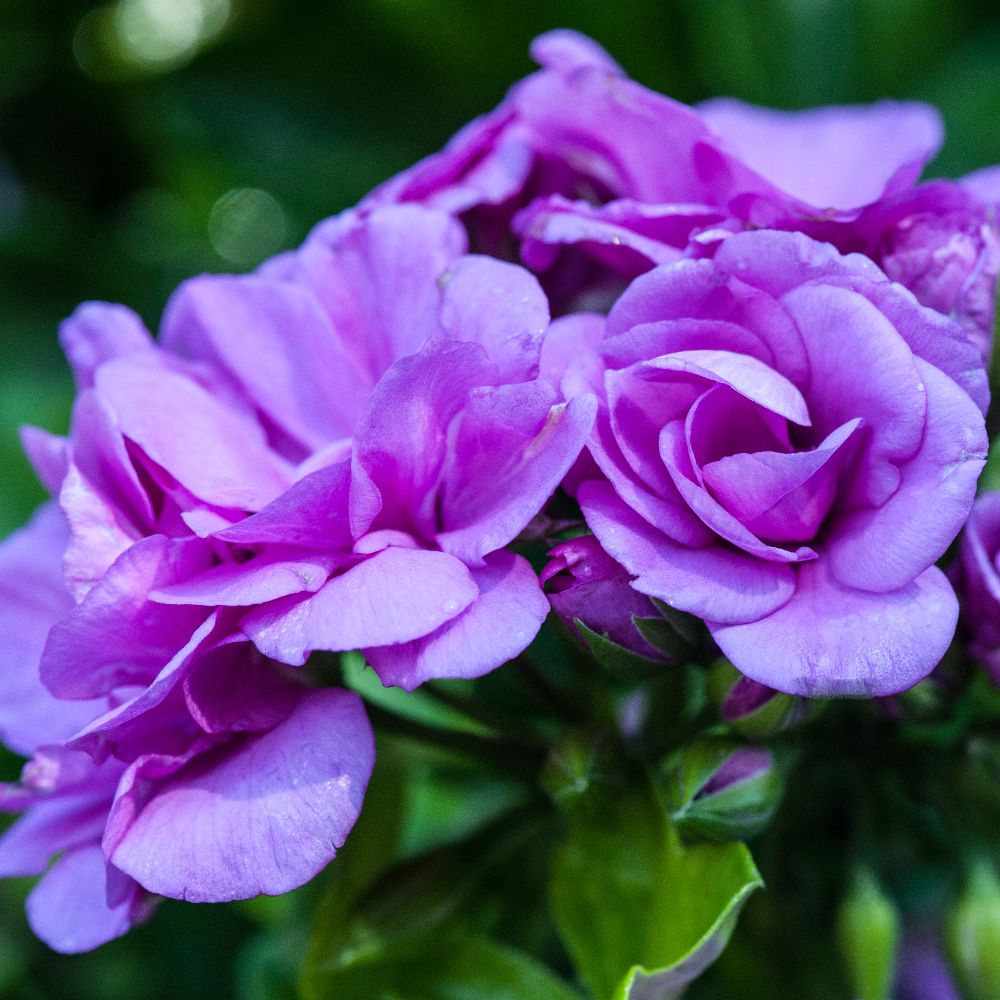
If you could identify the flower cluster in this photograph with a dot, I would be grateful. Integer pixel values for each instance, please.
(748, 346)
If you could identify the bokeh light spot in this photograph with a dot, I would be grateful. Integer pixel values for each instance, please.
(246, 225)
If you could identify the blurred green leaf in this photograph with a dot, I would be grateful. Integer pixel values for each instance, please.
(415, 912)
(641, 914)
(448, 966)
(419, 706)
(868, 934)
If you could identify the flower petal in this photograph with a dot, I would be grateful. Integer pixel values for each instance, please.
(274, 574)
(713, 582)
(510, 452)
(216, 452)
(115, 635)
(312, 513)
(308, 384)
(98, 332)
(497, 626)
(832, 157)
(69, 908)
(499, 306)
(401, 440)
(32, 599)
(830, 640)
(395, 595)
(262, 814)
(885, 547)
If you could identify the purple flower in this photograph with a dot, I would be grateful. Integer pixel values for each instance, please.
(275, 458)
(585, 583)
(598, 179)
(581, 129)
(789, 441)
(330, 454)
(264, 783)
(977, 579)
(941, 244)
(81, 901)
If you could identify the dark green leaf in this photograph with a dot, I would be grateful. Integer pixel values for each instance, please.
(448, 966)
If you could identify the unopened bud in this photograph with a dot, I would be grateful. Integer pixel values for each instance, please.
(752, 709)
(577, 768)
(973, 935)
(868, 933)
(718, 790)
(590, 592)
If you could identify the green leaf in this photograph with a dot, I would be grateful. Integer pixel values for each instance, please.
(660, 634)
(690, 628)
(641, 914)
(419, 706)
(372, 846)
(451, 966)
(417, 925)
(623, 664)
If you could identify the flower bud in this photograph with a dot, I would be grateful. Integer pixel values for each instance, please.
(868, 934)
(949, 261)
(718, 790)
(587, 588)
(977, 579)
(752, 709)
(973, 935)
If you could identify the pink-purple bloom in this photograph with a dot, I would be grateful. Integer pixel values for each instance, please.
(763, 387)
(595, 179)
(788, 443)
(331, 454)
(977, 577)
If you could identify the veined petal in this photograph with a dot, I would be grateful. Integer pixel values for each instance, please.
(261, 814)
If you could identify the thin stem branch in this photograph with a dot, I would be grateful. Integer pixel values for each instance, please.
(513, 757)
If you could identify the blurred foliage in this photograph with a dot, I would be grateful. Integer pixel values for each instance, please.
(142, 141)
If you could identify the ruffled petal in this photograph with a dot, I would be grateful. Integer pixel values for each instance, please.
(830, 640)
(32, 599)
(497, 626)
(395, 595)
(499, 306)
(885, 547)
(713, 582)
(262, 814)
(308, 384)
(69, 908)
(402, 438)
(97, 646)
(98, 332)
(510, 452)
(274, 574)
(832, 157)
(216, 452)
(312, 513)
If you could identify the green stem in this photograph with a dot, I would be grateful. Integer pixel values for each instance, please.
(513, 757)
(501, 723)
(548, 692)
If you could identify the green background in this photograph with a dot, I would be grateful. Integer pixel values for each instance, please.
(131, 157)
